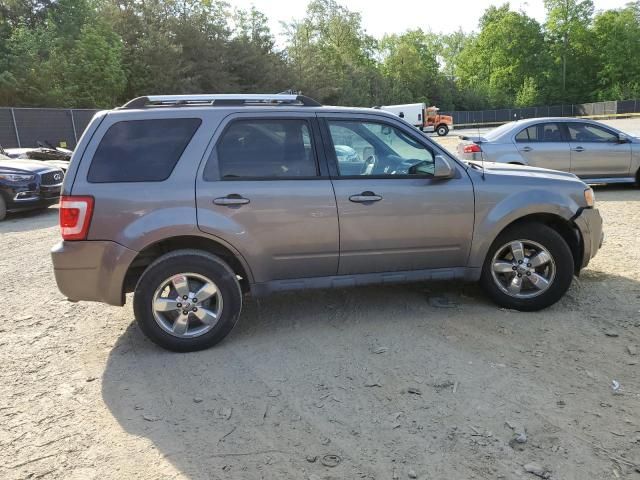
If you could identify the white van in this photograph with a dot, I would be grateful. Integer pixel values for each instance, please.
(410, 112)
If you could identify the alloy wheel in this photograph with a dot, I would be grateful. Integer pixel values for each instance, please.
(187, 305)
(523, 269)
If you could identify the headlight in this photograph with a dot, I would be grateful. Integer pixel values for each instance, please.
(16, 177)
(589, 197)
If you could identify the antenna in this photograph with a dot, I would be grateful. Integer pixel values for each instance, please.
(481, 154)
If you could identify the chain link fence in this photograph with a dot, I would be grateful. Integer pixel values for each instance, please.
(495, 117)
(25, 127)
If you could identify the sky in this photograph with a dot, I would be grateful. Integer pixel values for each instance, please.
(396, 16)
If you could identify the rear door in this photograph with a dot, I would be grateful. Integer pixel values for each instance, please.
(264, 191)
(393, 218)
(596, 151)
(544, 145)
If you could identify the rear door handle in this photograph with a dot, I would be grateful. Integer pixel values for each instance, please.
(577, 149)
(232, 199)
(526, 149)
(365, 197)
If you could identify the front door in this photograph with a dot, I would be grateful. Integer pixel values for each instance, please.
(543, 145)
(263, 192)
(392, 217)
(596, 152)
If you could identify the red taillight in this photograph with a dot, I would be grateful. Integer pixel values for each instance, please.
(75, 216)
(473, 148)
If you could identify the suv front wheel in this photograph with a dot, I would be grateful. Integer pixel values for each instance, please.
(529, 267)
(187, 300)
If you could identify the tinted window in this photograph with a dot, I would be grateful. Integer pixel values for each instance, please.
(265, 149)
(141, 150)
(371, 148)
(542, 132)
(585, 132)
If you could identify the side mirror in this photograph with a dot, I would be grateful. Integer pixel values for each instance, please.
(442, 168)
(622, 138)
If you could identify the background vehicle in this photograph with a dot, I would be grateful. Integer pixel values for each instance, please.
(54, 156)
(423, 118)
(27, 184)
(190, 220)
(594, 152)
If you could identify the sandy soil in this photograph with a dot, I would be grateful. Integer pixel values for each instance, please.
(373, 383)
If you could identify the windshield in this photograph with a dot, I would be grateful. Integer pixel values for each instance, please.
(497, 132)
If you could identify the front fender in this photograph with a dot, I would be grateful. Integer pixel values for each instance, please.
(493, 215)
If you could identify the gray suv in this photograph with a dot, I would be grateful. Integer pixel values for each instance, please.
(192, 201)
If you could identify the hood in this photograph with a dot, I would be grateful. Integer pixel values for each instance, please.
(18, 165)
(523, 171)
(60, 164)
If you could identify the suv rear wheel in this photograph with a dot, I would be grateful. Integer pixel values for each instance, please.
(528, 267)
(187, 300)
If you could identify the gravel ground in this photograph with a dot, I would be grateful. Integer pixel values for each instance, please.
(378, 382)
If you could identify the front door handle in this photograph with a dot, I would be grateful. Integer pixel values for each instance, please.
(231, 199)
(526, 149)
(577, 149)
(365, 197)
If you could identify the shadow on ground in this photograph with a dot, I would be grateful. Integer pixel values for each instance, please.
(30, 220)
(326, 373)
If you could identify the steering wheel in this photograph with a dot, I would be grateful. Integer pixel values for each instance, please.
(369, 165)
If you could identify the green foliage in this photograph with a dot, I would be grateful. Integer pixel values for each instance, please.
(507, 54)
(100, 53)
(617, 34)
(528, 95)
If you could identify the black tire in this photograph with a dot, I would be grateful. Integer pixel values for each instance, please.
(187, 261)
(3, 208)
(560, 252)
(442, 130)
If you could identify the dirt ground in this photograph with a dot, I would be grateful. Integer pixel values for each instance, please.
(372, 383)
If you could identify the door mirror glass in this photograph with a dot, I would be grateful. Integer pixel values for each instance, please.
(442, 168)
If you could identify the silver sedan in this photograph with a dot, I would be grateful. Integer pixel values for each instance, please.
(594, 152)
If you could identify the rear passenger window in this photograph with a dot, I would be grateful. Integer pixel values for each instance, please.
(141, 150)
(542, 132)
(262, 149)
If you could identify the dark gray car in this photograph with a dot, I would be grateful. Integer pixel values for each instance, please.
(595, 152)
(193, 201)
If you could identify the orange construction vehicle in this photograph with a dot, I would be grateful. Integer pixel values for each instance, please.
(434, 122)
(425, 118)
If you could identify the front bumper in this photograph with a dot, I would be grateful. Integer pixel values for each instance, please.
(589, 222)
(27, 197)
(92, 270)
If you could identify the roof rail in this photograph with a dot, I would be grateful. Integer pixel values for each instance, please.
(218, 100)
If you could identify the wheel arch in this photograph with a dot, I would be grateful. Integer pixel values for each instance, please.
(565, 228)
(151, 252)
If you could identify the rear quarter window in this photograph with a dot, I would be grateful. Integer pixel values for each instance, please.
(141, 150)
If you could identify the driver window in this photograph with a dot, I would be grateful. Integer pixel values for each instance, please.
(370, 148)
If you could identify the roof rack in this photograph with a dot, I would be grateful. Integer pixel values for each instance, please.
(219, 100)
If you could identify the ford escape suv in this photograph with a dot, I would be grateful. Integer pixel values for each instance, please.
(193, 201)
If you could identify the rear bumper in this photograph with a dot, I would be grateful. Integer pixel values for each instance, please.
(589, 222)
(92, 270)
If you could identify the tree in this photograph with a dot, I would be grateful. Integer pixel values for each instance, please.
(94, 75)
(567, 28)
(528, 95)
(617, 43)
(509, 49)
(331, 56)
